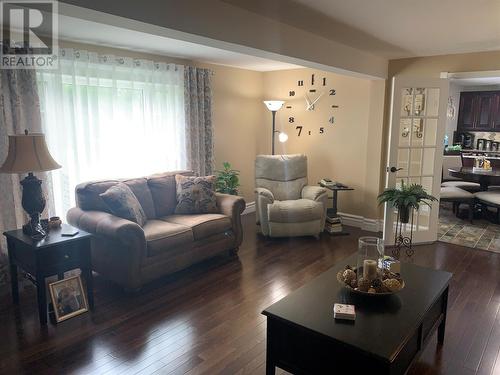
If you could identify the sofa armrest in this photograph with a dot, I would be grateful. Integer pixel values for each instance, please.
(106, 224)
(118, 248)
(232, 206)
(314, 193)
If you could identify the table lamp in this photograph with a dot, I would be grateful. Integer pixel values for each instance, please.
(274, 106)
(28, 153)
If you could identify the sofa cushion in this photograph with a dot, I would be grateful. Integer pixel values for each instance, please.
(88, 195)
(295, 211)
(162, 187)
(141, 190)
(195, 195)
(162, 236)
(123, 203)
(203, 225)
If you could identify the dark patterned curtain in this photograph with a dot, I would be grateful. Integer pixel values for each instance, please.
(19, 110)
(198, 104)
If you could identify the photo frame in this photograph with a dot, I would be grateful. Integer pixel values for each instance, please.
(68, 298)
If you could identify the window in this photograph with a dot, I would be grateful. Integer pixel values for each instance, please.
(107, 117)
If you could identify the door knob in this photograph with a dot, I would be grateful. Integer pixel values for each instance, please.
(394, 169)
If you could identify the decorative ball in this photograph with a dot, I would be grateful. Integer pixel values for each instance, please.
(363, 284)
(340, 276)
(348, 267)
(376, 283)
(371, 290)
(349, 275)
(392, 284)
(354, 283)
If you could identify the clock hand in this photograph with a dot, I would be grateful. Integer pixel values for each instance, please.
(307, 101)
(317, 98)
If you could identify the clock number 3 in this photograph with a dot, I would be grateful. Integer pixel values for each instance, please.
(299, 128)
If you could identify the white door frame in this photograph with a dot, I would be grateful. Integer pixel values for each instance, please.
(398, 84)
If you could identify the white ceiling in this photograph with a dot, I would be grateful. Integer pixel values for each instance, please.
(393, 28)
(84, 31)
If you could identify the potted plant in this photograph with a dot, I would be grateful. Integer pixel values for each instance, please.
(227, 180)
(406, 198)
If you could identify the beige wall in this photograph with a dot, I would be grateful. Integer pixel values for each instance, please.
(348, 151)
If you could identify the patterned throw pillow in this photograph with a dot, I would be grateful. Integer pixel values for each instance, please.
(123, 203)
(195, 195)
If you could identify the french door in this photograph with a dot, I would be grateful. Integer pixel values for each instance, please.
(417, 128)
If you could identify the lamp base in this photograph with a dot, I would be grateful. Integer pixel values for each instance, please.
(34, 227)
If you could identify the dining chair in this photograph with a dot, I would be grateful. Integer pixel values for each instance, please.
(490, 198)
(458, 196)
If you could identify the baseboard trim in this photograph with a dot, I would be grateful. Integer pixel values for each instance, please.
(250, 207)
(370, 225)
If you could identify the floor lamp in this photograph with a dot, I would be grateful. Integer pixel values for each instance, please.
(274, 106)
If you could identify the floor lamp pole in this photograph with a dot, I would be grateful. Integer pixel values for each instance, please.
(274, 131)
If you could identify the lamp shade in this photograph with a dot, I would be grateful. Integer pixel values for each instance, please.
(274, 105)
(28, 153)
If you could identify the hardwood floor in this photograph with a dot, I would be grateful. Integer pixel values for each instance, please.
(208, 319)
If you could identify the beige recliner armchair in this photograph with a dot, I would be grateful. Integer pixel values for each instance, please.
(285, 204)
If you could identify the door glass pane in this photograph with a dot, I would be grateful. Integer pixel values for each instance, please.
(406, 102)
(430, 125)
(417, 132)
(416, 162)
(414, 180)
(432, 102)
(419, 102)
(428, 163)
(404, 132)
(403, 158)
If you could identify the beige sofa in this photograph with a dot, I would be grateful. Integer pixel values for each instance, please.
(285, 204)
(131, 256)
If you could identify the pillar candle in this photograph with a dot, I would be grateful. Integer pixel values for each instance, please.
(369, 269)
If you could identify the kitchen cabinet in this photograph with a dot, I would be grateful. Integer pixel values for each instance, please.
(479, 111)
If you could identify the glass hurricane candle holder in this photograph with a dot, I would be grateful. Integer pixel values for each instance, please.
(370, 251)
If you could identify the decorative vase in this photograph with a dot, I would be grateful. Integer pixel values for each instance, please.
(404, 214)
(370, 251)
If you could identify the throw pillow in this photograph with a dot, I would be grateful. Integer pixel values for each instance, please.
(123, 203)
(195, 195)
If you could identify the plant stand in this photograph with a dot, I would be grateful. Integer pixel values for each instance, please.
(402, 242)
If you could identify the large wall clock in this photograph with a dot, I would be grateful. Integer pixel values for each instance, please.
(306, 97)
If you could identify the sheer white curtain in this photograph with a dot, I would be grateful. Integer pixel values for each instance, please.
(110, 117)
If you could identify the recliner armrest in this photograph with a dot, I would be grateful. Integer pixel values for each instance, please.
(314, 193)
(265, 193)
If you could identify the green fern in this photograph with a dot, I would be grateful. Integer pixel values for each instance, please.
(407, 196)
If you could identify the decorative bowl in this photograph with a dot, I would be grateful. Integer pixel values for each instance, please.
(387, 276)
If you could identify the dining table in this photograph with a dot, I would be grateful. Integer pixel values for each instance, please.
(483, 178)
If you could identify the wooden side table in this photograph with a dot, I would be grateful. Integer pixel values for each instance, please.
(53, 255)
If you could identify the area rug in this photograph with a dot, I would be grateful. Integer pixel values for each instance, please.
(482, 234)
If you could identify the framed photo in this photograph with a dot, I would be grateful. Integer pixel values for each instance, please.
(68, 298)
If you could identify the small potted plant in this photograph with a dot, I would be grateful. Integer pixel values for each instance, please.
(227, 180)
(405, 199)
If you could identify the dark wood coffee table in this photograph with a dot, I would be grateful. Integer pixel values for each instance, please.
(388, 335)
